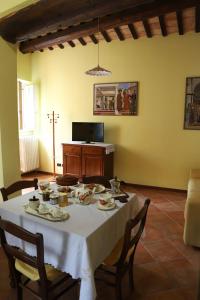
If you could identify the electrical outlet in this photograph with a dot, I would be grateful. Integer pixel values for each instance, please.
(59, 165)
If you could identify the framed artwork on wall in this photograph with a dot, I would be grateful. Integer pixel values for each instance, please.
(116, 99)
(192, 103)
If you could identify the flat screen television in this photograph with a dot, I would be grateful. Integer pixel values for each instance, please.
(88, 132)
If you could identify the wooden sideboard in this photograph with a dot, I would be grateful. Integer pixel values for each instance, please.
(87, 160)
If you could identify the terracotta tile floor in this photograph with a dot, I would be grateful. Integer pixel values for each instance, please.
(165, 268)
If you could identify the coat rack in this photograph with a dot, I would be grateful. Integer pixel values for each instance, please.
(53, 119)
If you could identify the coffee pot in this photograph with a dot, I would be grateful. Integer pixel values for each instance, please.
(115, 185)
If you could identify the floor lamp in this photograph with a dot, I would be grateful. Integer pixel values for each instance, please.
(53, 120)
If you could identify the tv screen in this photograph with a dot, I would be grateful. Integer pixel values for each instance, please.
(87, 132)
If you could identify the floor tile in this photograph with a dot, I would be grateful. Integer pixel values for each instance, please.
(162, 250)
(182, 273)
(169, 206)
(151, 278)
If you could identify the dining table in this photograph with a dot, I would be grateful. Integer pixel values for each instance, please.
(79, 244)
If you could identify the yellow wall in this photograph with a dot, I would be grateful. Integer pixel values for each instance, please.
(9, 6)
(24, 66)
(9, 143)
(151, 148)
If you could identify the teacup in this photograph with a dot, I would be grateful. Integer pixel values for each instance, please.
(46, 195)
(105, 199)
(34, 202)
(43, 208)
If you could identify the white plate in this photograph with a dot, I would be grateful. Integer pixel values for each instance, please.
(48, 216)
(111, 205)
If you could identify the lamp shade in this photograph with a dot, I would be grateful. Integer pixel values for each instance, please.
(98, 71)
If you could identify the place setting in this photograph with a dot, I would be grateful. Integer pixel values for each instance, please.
(50, 207)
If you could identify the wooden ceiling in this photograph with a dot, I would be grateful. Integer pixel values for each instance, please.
(51, 23)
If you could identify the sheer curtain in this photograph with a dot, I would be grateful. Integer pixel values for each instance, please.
(28, 140)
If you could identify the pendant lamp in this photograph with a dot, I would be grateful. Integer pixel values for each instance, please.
(98, 71)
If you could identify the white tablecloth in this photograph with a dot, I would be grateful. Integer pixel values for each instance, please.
(79, 244)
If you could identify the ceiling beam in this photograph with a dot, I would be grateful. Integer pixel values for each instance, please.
(179, 19)
(197, 19)
(119, 34)
(106, 36)
(61, 46)
(82, 41)
(71, 43)
(106, 23)
(93, 39)
(147, 28)
(163, 25)
(133, 31)
(46, 16)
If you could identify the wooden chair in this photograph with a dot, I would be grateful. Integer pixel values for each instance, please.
(17, 186)
(121, 258)
(26, 268)
(96, 179)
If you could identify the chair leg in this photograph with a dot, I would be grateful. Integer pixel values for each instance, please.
(19, 292)
(118, 288)
(19, 289)
(131, 280)
(44, 292)
(11, 275)
(12, 281)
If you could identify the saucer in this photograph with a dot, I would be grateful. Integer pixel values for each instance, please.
(109, 206)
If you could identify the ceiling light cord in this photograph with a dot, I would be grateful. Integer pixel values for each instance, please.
(98, 71)
(98, 40)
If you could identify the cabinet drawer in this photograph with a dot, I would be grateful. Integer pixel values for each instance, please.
(93, 150)
(72, 149)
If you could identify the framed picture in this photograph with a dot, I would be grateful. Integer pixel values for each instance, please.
(116, 99)
(192, 103)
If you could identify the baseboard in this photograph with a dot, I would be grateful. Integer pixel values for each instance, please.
(151, 187)
(40, 172)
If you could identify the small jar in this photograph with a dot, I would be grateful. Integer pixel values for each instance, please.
(63, 200)
(45, 196)
(54, 198)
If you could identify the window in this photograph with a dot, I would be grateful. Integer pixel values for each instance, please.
(26, 106)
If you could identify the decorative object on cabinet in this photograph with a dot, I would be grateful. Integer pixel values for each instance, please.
(192, 103)
(119, 98)
(88, 159)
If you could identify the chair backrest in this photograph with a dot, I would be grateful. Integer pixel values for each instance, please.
(96, 179)
(17, 186)
(130, 240)
(13, 252)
